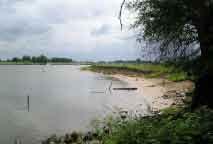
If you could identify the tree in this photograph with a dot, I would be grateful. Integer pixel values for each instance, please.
(26, 58)
(34, 59)
(58, 60)
(138, 60)
(177, 25)
(15, 59)
(42, 59)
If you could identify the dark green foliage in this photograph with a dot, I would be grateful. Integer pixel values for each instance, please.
(175, 24)
(42, 59)
(138, 60)
(171, 127)
(58, 60)
(26, 58)
(168, 70)
(16, 59)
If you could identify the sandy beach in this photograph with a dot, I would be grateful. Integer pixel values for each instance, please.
(159, 93)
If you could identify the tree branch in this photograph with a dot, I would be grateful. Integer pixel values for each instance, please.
(120, 14)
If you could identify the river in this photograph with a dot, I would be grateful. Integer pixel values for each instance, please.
(62, 99)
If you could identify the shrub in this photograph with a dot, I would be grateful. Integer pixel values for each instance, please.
(171, 127)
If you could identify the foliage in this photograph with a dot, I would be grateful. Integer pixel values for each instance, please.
(167, 70)
(182, 127)
(58, 60)
(26, 58)
(174, 24)
(172, 126)
(42, 59)
(16, 59)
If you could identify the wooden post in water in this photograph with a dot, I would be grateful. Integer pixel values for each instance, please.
(110, 87)
(17, 141)
(28, 103)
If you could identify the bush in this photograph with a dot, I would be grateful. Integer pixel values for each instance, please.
(173, 126)
(149, 70)
(169, 128)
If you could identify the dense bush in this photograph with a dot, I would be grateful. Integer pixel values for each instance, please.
(172, 126)
(169, 128)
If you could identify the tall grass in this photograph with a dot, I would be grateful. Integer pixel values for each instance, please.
(171, 127)
(170, 72)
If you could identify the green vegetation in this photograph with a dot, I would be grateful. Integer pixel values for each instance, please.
(178, 29)
(169, 71)
(173, 126)
(28, 60)
(15, 63)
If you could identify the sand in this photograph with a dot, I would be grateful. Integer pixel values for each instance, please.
(154, 91)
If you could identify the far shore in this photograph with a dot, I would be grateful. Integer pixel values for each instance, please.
(29, 63)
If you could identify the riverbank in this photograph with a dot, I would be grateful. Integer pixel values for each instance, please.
(159, 93)
(160, 87)
(148, 70)
(176, 122)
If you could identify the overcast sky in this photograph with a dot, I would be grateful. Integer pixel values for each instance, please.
(81, 29)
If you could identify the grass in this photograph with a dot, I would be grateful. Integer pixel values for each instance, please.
(173, 126)
(170, 72)
(15, 63)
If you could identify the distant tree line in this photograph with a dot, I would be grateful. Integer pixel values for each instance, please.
(40, 59)
(137, 61)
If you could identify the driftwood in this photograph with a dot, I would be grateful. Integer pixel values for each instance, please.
(97, 92)
(125, 89)
(28, 103)
(17, 141)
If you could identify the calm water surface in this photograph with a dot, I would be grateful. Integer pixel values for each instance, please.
(62, 99)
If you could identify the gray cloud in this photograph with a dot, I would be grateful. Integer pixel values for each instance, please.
(15, 24)
(21, 29)
(103, 30)
(80, 29)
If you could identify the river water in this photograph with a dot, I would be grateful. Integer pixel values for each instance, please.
(62, 99)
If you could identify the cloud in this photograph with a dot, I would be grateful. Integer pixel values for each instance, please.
(103, 30)
(80, 29)
(17, 24)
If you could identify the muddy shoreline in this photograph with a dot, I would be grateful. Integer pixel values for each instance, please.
(160, 93)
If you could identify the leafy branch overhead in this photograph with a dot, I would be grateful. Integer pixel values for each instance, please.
(178, 28)
(174, 24)
(120, 13)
